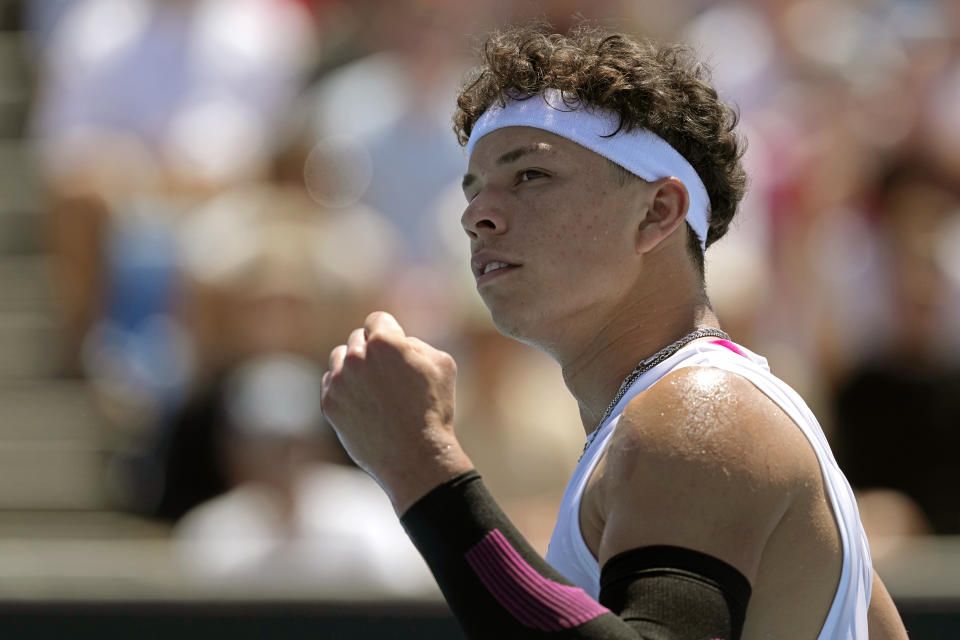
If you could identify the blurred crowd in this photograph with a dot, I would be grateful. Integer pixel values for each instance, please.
(233, 184)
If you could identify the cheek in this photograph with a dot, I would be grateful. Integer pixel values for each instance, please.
(587, 240)
(576, 215)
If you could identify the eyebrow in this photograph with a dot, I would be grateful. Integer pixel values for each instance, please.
(512, 156)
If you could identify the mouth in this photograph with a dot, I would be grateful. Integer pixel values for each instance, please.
(486, 269)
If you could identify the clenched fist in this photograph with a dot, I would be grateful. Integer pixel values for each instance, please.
(390, 399)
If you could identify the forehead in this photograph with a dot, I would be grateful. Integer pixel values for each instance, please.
(505, 145)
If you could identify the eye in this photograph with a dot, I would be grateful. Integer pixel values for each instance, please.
(530, 174)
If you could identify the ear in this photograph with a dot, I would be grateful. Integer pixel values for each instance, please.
(667, 210)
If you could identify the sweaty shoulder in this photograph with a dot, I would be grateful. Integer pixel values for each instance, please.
(713, 416)
(703, 459)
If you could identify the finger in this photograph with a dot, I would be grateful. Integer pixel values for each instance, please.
(383, 324)
(336, 359)
(418, 344)
(356, 343)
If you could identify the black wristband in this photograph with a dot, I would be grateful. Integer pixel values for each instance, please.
(494, 582)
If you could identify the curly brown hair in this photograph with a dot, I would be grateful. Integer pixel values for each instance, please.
(661, 88)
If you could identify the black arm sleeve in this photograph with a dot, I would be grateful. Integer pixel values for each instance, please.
(498, 587)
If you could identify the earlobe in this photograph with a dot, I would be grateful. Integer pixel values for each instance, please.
(666, 210)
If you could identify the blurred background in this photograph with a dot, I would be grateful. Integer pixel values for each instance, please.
(200, 198)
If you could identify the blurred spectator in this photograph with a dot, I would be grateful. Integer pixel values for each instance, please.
(296, 512)
(387, 116)
(145, 107)
(264, 269)
(897, 411)
(267, 268)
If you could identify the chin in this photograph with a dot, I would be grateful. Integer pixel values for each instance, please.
(507, 328)
(528, 330)
(507, 323)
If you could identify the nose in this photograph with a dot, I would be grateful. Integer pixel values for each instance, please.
(483, 216)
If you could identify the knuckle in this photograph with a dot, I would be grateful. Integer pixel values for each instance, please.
(447, 359)
(374, 317)
(353, 355)
(378, 341)
(446, 362)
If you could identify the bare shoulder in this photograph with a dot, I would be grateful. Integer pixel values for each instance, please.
(713, 457)
(714, 418)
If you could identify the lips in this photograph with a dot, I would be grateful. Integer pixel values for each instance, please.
(485, 265)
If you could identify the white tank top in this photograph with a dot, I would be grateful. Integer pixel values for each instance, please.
(568, 553)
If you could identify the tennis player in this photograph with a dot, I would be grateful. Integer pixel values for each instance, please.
(707, 503)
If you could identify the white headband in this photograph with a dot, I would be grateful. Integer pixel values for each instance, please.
(641, 152)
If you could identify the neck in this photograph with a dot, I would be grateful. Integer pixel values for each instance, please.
(595, 369)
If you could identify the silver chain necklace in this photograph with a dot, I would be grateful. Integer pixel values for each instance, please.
(645, 365)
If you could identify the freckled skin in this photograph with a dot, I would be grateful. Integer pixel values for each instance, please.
(569, 239)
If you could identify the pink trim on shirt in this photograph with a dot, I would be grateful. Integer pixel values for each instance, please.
(729, 345)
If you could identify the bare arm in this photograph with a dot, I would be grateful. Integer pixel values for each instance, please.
(688, 467)
(390, 398)
(882, 618)
(713, 465)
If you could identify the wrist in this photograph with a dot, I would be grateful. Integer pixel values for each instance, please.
(407, 484)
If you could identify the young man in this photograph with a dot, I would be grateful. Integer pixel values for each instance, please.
(707, 503)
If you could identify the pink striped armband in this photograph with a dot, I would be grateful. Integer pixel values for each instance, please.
(536, 602)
